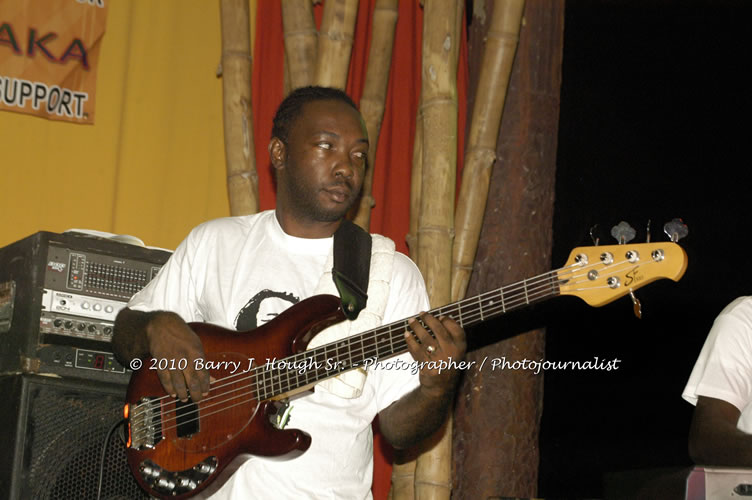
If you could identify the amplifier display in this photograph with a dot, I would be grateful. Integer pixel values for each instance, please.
(59, 296)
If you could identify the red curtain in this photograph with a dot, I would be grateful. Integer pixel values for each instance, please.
(391, 184)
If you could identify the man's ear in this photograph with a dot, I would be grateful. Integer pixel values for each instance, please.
(277, 153)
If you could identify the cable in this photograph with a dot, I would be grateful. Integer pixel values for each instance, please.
(104, 453)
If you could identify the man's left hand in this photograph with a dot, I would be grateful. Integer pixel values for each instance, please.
(438, 354)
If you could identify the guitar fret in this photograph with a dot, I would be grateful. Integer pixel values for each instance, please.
(501, 297)
(383, 347)
(391, 341)
(293, 378)
(374, 347)
(326, 356)
(288, 373)
(362, 349)
(281, 372)
(524, 287)
(480, 308)
(339, 355)
(378, 345)
(275, 375)
(339, 347)
(266, 383)
(342, 359)
(349, 352)
(279, 379)
(260, 384)
(297, 379)
(333, 354)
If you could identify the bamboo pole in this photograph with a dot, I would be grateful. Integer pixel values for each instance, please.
(403, 481)
(403, 473)
(441, 39)
(439, 111)
(335, 43)
(385, 15)
(480, 153)
(242, 179)
(301, 38)
(433, 469)
(415, 186)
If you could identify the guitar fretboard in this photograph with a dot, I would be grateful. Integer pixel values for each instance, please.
(282, 376)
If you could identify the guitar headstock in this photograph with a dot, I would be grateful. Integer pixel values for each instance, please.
(602, 274)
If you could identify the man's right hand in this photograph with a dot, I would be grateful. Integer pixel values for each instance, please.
(171, 339)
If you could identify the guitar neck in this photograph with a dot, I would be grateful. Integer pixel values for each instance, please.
(364, 349)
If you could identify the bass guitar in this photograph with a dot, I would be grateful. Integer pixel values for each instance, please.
(177, 449)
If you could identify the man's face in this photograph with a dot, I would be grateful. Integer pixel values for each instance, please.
(325, 161)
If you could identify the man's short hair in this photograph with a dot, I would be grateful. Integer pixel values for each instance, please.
(291, 107)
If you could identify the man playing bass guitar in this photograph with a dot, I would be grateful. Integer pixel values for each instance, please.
(239, 272)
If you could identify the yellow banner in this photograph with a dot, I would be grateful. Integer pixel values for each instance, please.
(48, 57)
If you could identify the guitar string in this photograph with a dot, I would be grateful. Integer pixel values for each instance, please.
(458, 305)
(282, 372)
(223, 404)
(401, 326)
(272, 382)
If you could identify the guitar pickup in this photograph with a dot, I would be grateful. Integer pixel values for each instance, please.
(187, 417)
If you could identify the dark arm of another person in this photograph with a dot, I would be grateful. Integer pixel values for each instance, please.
(418, 414)
(162, 335)
(714, 438)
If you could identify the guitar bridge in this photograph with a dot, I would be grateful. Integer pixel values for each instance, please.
(145, 424)
(171, 483)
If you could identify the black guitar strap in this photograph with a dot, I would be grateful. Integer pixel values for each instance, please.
(352, 265)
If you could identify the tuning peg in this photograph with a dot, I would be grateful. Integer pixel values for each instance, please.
(593, 237)
(676, 230)
(623, 232)
(636, 305)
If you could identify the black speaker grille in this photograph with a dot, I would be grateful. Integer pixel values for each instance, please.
(65, 433)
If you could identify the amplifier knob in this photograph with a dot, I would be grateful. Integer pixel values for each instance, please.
(85, 305)
(92, 328)
(109, 309)
(81, 327)
(69, 324)
(97, 307)
(58, 323)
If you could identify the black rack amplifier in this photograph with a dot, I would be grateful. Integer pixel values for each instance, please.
(59, 295)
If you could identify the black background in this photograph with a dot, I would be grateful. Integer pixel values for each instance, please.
(655, 102)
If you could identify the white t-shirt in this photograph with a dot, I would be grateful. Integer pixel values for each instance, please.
(239, 272)
(724, 368)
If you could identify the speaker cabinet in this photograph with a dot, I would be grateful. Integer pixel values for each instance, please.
(53, 431)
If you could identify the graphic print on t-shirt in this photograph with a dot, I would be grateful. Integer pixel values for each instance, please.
(262, 308)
